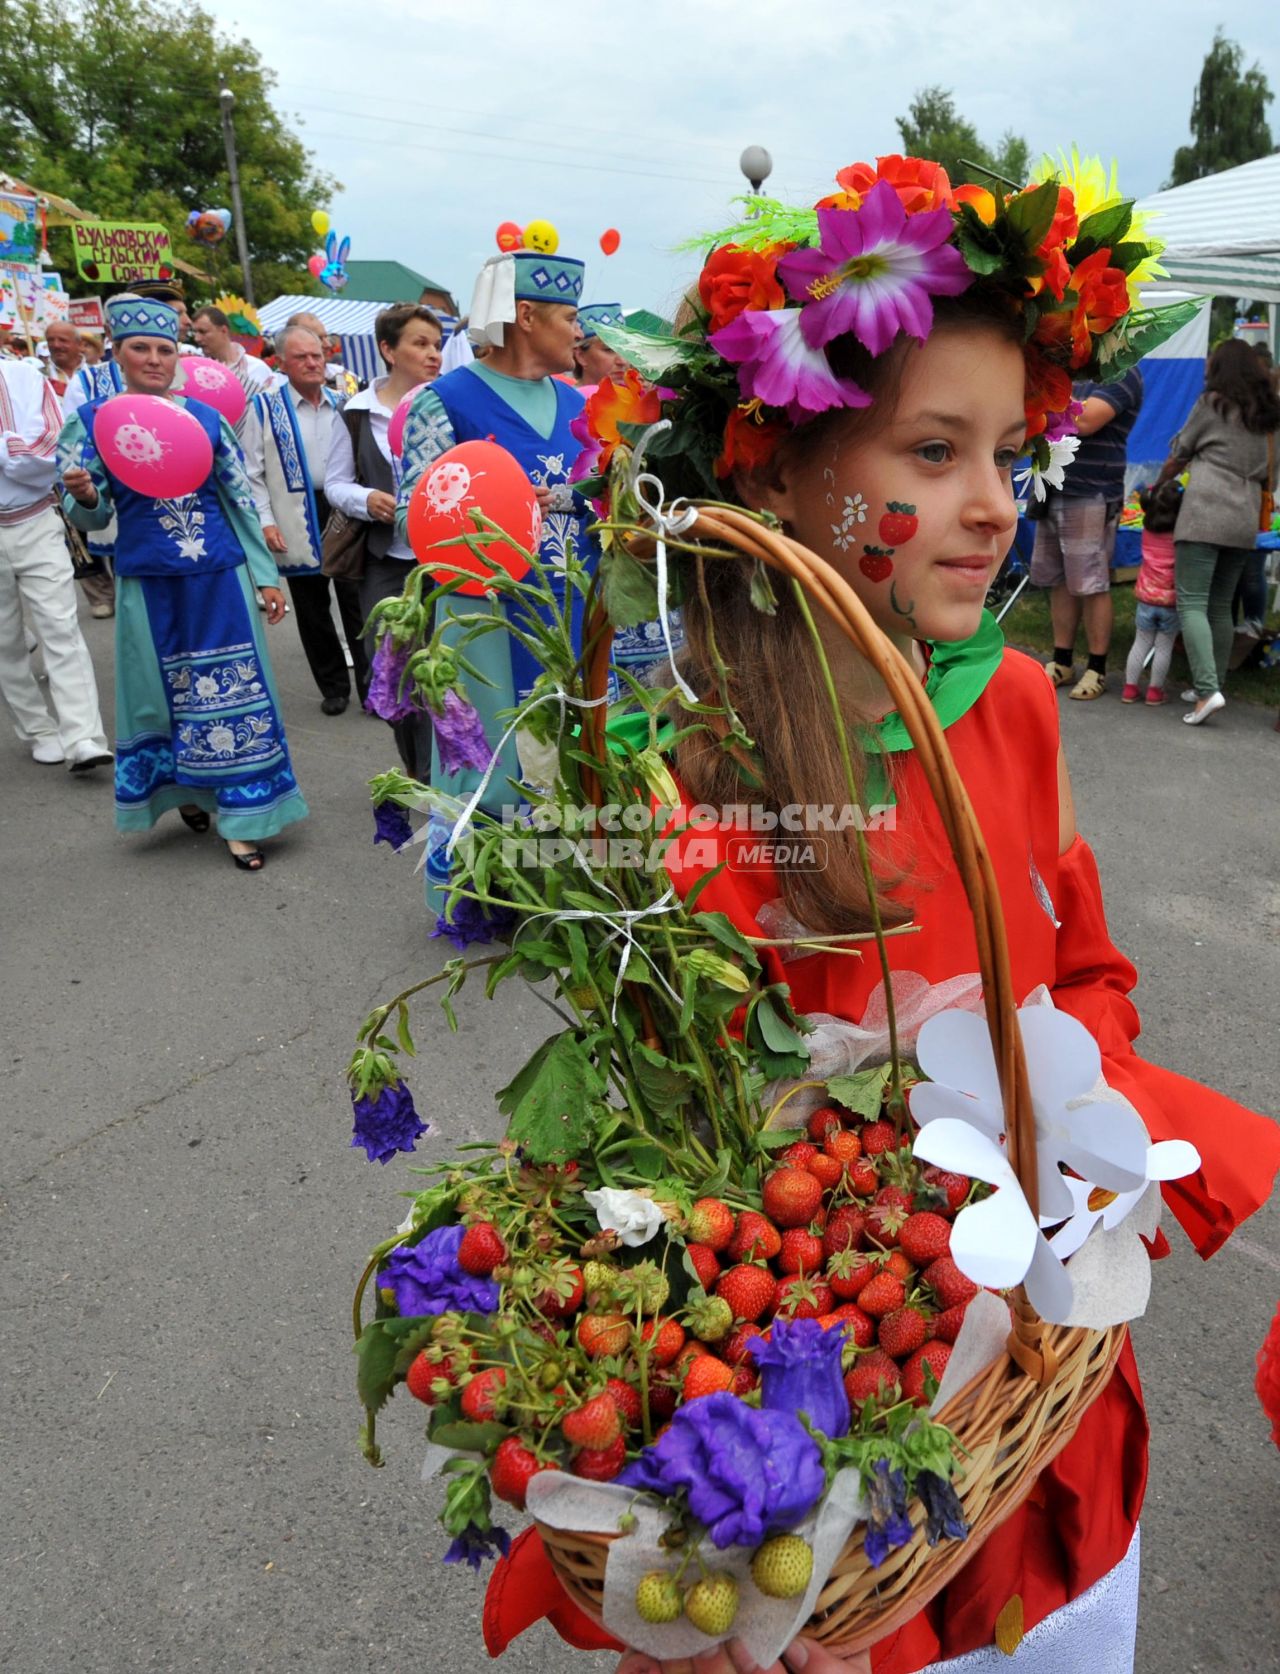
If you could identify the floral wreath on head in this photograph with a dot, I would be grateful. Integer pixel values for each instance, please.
(779, 287)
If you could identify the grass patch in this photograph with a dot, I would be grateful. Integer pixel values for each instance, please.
(1029, 627)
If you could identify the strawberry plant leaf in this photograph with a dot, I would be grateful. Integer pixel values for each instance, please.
(379, 1352)
(861, 1091)
(551, 1101)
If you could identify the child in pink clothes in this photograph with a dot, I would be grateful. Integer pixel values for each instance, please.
(1157, 624)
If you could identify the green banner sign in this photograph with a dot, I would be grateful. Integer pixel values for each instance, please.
(111, 252)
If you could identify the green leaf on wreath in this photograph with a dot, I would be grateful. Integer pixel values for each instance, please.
(662, 1084)
(628, 589)
(861, 1091)
(552, 1100)
(464, 1437)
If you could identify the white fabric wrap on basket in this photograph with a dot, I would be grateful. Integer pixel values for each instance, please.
(765, 1625)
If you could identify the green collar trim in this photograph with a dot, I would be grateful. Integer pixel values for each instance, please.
(958, 675)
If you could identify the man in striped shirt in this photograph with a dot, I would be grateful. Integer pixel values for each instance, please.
(36, 572)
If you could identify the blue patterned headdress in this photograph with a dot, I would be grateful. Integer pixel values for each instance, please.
(599, 314)
(547, 278)
(139, 316)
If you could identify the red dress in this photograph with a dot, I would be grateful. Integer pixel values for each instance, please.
(1079, 1519)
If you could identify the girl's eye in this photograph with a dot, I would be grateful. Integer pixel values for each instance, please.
(934, 453)
(1006, 458)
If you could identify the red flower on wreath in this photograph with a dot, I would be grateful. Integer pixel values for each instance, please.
(1099, 296)
(735, 279)
(1048, 387)
(1052, 252)
(749, 439)
(919, 183)
(630, 402)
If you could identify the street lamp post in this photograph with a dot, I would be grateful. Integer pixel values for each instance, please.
(225, 100)
(756, 163)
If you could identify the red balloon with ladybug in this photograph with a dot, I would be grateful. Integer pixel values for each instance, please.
(474, 477)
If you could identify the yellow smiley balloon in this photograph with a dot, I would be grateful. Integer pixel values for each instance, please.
(542, 237)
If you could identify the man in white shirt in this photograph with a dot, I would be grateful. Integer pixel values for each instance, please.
(66, 352)
(212, 332)
(287, 436)
(35, 571)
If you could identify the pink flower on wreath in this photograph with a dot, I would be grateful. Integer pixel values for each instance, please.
(875, 271)
(777, 366)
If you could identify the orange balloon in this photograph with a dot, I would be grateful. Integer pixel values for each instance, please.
(509, 236)
(610, 240)
(474, 476)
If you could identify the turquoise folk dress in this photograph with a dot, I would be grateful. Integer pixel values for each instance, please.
(197, 714)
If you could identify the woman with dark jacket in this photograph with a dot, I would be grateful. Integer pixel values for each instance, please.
(1229, 441)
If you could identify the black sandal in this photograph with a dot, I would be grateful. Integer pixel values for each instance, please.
(197, 822)
(254, 861)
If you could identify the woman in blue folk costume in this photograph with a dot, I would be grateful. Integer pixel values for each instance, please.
(197, 716)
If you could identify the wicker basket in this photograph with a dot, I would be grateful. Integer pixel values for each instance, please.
(1016, 1416)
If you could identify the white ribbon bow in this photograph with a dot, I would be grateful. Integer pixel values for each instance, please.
(675, 520)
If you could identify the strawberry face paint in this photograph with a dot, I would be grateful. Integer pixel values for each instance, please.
(876, 564)
(899, 523)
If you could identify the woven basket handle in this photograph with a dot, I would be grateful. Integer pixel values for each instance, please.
(723, 527)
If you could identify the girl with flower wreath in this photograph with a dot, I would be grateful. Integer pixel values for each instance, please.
(868, 375)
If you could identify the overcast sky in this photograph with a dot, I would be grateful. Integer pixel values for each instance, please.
(444, 117)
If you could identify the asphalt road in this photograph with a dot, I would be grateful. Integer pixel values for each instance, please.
(183, 1221)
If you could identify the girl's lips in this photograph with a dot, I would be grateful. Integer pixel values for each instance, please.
(973, 569)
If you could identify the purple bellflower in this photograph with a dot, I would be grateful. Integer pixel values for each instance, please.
(391, 825)
(385, 672)
(460, 735)
(887, 1522)
(426, 1279)
(475, 1545)
(800, 1372)
(387, 1123)
(470, 921)
(945, 1514)
(874, 271)
(747, 1474)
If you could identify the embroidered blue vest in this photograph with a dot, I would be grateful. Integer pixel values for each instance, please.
(478, 414)
(172, 537)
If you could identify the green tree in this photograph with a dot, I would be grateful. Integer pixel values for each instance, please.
(934, 128)
(114, 104)
(1228, 115)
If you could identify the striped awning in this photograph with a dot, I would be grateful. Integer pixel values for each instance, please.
(1222, 233)
(350, 322)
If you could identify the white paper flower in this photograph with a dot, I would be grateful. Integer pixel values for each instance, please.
(996, 1242)
(1100, 1139)
(633, 1217)
(1168, 1160)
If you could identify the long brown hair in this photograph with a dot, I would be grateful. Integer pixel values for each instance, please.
(775, 684)
(1236, 381)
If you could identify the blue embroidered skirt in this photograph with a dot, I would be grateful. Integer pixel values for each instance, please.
(197, 716)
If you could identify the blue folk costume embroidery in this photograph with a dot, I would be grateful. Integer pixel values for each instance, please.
(210, 720)
(279, 422)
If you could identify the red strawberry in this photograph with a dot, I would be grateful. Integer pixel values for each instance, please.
(512, 1469)
(664, 1394)
(705, 1375)
(482, 1398)
(748, 1290)
(877, 1137)
(888, 1214)
(873, 1374)
(845, 1229)
(844, 1146)
(736, 1347)
(627, 1400)
(859, 1329)
(898, 524)
(897, 1264)
(956, 1187)
(603, 1334)
(825, 1170)
(754, 1236)
(802, 1297)
(601, 1464)
(946, 1325)
(848, 1273)
(801, 1251)
(876, 564)
(705, 1265)
(667, 1338)
(925, 1236)
(934, 1355)
(711, 1223)
(423, 1374)
(882, 1295)
(594, 1425)
(950, 1285)
(481, 1249)
(744, 1381)
(902, 1332)
(863, 1178)
(799, 1155)
(565, 1296)
(823, 1122)
(791, 1197)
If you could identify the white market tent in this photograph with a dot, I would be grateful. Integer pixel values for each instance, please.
(350, 322)
(1222, 233)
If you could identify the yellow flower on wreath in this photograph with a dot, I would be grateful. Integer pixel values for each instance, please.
(1094, 188)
